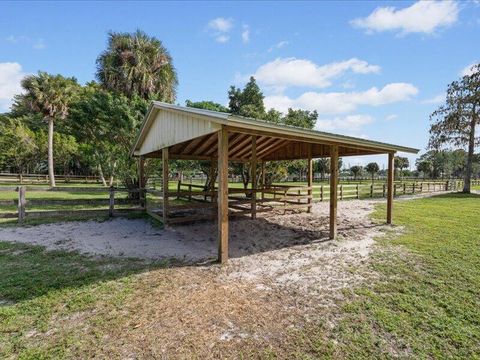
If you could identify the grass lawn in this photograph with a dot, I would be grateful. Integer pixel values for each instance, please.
(425, 302)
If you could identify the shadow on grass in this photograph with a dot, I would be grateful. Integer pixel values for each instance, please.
(29, 271)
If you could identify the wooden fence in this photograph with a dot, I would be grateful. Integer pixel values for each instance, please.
(196, 203)
(43, 178)
(107, 204)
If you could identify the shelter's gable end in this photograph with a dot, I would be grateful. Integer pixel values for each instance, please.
(170, 128)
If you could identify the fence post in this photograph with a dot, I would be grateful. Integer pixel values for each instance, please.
(321, 192)
(341, 192)
(21, 203)
(358, 193)
(383, 194)
(112, 201)
(413, 188)
(404, 188)
(421, 187)
(178, 189)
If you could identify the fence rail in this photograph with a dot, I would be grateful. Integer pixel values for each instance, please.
(241, 201)
(43, 178)
(108, 204)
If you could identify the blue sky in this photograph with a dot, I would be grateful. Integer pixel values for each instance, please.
(371, 69)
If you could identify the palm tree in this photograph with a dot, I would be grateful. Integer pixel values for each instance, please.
(356, 170)
(137, 65)
(50, 95)
(372, 168)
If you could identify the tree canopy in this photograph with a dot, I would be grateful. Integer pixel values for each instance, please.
(455, 122)
(136, 64)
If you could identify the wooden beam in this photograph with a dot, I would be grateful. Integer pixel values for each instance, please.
(390, 175)
(141, 182)
(247, 152)
(273, 147)
(165, 185)
(333, 190)
(253, 169)
(192, 145)
(297, 138)
(309, 176)
(239, 146)
(223, 195)
(211, 140)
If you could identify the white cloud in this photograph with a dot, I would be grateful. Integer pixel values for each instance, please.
(37, 44)
(278, 45)
(220, 27)
(222, 38)
(391, 117)
(220, 24)
(10, 76)
(421, 17)
(246, 34)
(343, 102)
(467, 70)
(301, 72)
(438, 99)
(349, 122)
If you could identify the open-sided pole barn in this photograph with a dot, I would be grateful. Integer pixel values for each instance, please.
(175, 132)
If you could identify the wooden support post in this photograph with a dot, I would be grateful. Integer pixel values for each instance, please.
(165, 185)
(223, 195)
(141, 182)
(333, 190)
(111, 204)
(253, 169)
(21, 203)
(310, 177)
(390, 172)
(263, 179)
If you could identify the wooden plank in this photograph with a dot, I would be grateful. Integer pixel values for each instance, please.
(111, 204)
(195, 205)
(239, 147)
(333, 190)
(309, 175)
(141, 182)
(21, 204)
(9, 215)
(273, 147)
(165, 185)
(223, 195)
(155, 216)
(390, 176)
(253, 169)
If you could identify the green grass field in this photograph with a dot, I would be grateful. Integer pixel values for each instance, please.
(426, 303)
(423, 304)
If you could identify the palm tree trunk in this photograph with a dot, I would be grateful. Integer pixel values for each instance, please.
(471, 149)
(51, 174)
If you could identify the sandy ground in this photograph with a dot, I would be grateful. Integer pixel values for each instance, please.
(290, 250)
(284, 277)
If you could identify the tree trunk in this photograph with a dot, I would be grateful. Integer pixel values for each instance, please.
(471, 149)
(100, 173)
(51, 174)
